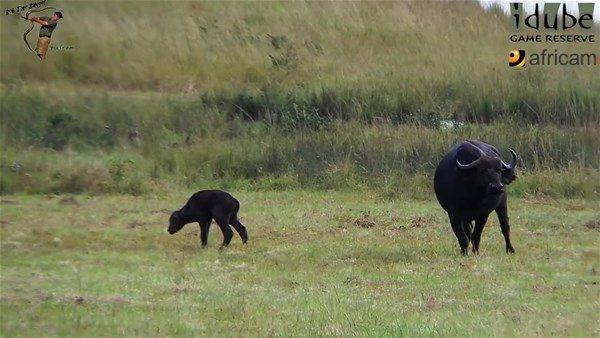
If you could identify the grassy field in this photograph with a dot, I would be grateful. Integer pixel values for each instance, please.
(105, 265)
(326, 120)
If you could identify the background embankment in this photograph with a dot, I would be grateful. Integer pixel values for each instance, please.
(278, 95)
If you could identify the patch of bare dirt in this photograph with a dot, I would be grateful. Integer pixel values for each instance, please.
(177, 290)
(593, 224)
(115, 299)
(8, 202)
(576, 207)
(365, 221)
(130, 211)
(543, 288)
(68, 200)
(81, 300)
(13, 244)
(539, 199)
(135, 224)
(431, 303)
(417, 222)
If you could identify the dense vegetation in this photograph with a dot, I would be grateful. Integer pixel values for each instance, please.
(276, 95)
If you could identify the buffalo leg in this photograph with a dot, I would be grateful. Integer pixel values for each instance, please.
(204, 226)
(476, 237)
(459, 231)
(240, 228)
(502, 212)
(227, 232)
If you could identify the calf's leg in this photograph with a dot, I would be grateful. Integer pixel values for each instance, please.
(239, 227)
(223, 223)
(204, 226)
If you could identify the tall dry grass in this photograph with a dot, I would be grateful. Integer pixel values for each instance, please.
(401, 58)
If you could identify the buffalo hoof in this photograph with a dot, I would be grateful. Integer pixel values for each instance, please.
(510, 250)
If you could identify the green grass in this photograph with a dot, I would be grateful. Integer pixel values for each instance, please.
(346, 100)
(81, 142)
(107, 267)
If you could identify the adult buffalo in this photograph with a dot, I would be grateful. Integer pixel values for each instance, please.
(470, 182)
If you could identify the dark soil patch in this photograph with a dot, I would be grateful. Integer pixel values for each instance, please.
(365, 221)
(432, 303)
(68, 200)
(129, 211)
(593, 224)
(8, 202)
(135, 224)
(418, 222)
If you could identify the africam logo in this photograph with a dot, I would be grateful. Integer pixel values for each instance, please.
(516, 59)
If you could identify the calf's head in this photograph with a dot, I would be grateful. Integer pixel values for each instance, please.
(176, 222)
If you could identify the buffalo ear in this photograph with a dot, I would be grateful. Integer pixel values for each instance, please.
(508, 175)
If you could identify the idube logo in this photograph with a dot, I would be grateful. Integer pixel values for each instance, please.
(516, 58)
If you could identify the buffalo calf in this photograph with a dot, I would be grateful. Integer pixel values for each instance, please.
(203, 207)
